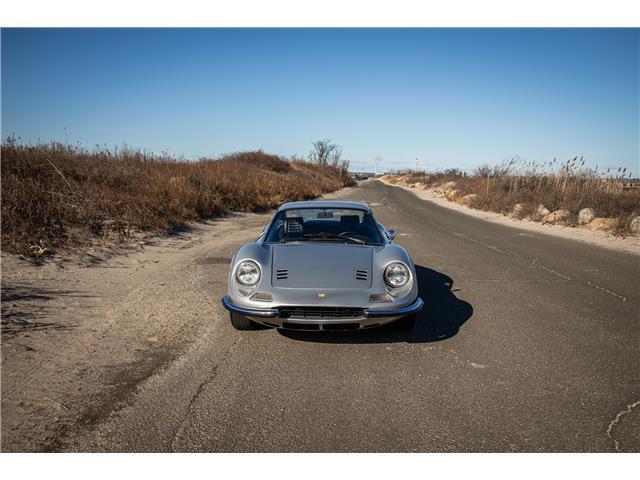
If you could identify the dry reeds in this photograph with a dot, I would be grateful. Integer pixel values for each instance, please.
(568, 185)
(63, 196)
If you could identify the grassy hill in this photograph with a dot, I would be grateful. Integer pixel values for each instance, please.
(63, 197)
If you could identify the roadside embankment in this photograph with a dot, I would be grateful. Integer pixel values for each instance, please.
(583, 225)
(61, 197)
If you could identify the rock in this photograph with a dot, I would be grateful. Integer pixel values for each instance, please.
(451, 194)
(600, 223)
(468, 199)
(556, 216)
(517, 210)
(449, 186)
(540, 212)
(586, 215)
(634, 226)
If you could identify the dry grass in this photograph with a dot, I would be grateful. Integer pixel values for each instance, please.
(566, 186)
(61, 197)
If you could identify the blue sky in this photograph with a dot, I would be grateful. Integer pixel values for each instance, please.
(450, 97)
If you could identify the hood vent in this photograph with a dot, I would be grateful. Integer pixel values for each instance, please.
(362, 275)
(282, 274)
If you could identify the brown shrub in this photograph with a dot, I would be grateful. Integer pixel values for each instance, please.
(570, 187)
(65, 196)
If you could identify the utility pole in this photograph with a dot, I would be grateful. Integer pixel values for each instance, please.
(65, 137)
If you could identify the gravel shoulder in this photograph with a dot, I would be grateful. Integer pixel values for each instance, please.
(602, 239)
(81, 332)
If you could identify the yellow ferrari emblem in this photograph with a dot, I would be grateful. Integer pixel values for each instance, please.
(322, 295)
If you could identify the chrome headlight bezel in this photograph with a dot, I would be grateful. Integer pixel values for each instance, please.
(244, 267)
(394, 266)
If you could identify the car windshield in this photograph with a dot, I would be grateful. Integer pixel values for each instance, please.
(342, 225)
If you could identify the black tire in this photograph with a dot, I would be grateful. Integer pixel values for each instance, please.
(241, 322)
(406, 323)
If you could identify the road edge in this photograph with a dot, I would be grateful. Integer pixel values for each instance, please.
(596, 238)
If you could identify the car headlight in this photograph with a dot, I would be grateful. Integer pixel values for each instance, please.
(396, 275)
(248, 273)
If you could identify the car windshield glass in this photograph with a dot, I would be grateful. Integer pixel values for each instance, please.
(338, 225)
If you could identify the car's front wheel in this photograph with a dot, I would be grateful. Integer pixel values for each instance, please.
(240, 322)
(406, 323)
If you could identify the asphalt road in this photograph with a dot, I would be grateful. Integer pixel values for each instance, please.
(527, 343)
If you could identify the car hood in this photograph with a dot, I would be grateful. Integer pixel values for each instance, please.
(322, 266)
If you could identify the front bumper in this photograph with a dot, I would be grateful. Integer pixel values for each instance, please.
(371, 317)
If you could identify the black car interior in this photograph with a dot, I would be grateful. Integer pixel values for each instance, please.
(325, 226)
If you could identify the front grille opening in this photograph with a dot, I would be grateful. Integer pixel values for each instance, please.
(341, 326)
(300, 326)
(318, 313)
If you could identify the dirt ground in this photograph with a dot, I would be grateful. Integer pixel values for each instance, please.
(81, 331)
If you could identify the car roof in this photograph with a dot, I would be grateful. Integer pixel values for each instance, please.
(325, 204)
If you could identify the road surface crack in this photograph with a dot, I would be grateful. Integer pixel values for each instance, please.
(613, 294)
(198, 392)
(547, 269)
(614, 422)
(482, 244)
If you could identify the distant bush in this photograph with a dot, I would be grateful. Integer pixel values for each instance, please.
(66, 196)
(567, 185)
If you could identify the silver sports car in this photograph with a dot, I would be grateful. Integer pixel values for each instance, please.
(322, 265)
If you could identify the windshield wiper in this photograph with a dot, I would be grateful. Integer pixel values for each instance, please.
(332, 236)
(291, 239)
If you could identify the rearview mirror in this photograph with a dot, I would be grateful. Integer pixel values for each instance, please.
(391, 234)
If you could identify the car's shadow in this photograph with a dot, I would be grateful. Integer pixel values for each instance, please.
(441, 317)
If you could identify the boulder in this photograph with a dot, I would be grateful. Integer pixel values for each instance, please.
(600, 223)
(468, 199)
(451, 194)
(540, 212)
(517, 210)
(586, 215)
(556, 216)
(449, 186)
(634, 226)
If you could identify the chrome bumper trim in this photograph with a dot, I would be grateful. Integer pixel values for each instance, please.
(408, 310)
(253, 312)
(368, 312)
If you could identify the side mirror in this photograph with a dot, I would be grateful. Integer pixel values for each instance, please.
(263, 232)
(391, 234)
